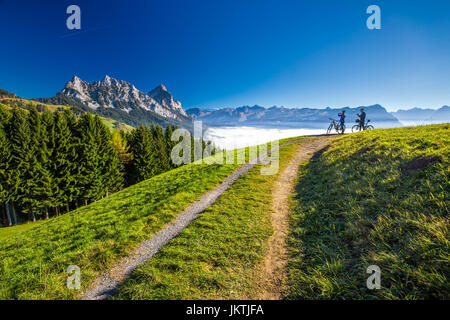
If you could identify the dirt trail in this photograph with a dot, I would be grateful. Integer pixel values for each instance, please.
(274, 275)
(105, 285)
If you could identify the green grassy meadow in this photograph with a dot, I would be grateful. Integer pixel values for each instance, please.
(220, 254)
(34, 257)
(374, 198)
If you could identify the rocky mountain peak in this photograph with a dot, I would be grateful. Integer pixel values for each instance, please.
(165, 98)
(161, 87)
(119, 94)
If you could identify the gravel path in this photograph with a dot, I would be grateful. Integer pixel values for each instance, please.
(107, 283)
(274, 274)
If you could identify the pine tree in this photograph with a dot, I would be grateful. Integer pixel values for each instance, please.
(64, 157)
(5, 115)
(38, 179)
(90, 179)
(162, 146)
(5, 171)
(145, 155)
(47, 160)
(157, 161)
(170, 144)
(111, 167)
(73, 156)
(18, 135)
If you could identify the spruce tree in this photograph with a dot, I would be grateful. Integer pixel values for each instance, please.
(18, 134)
(5, 115)
(73, 156)
(90, 179)
(170, 144)
(48, 160)
(145, 155)
(6, 169)
(157, 161)
(111, 168)
(5, 172)
(64, 156)
(162, 146)
(39, 179)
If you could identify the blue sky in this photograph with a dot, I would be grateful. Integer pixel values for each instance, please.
(230, 53)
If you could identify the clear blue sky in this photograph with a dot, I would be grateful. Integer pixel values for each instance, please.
(229, 53)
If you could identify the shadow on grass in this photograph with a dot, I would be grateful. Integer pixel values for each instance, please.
(352, 212)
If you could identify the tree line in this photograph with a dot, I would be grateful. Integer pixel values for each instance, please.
(51, 163)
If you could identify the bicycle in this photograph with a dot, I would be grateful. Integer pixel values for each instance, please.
(340, 128)
(357, 127)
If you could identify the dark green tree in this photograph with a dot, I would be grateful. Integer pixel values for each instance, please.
(111, 167)
(145, 162)
(38, 195)
(64, 160)
(90, 178)
(164, 153)
(48, 146)
(19, 137)
(5, 172)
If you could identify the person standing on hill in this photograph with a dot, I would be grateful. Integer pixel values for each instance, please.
(341, 116)
(362, 119)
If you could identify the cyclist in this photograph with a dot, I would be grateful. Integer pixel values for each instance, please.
(362, 119)
(341, 116)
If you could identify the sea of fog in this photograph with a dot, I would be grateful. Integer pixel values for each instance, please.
(237, 137)
(414, 123)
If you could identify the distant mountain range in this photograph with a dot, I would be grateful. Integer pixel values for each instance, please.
(122, 101)
(288, 117)
(423, 115)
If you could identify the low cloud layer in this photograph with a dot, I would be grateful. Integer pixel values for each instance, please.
(238, 137)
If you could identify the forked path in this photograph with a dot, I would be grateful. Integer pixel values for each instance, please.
(274, 274)
(106, 284)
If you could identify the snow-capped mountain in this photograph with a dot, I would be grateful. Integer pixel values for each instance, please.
(119, 94)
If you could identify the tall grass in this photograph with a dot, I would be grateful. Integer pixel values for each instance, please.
(374, 198)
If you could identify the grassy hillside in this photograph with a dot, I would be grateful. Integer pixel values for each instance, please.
(374, 198)
(34, 257)
(220, 254)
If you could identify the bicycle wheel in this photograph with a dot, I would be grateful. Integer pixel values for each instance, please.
(330, 128)
(369, 128)
(356, 128)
